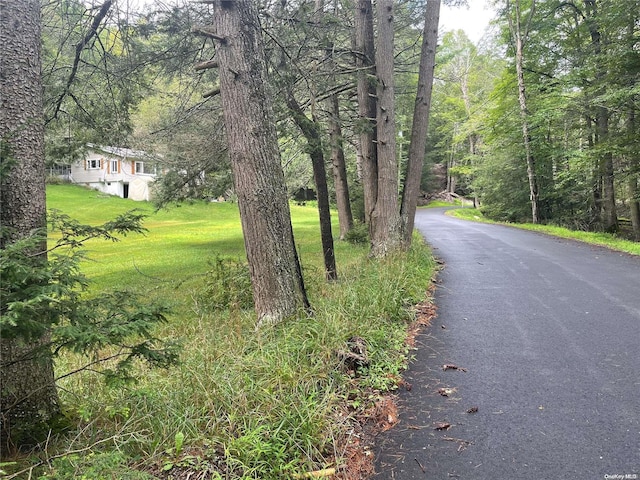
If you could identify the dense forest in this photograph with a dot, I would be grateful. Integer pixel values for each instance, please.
(364, 107)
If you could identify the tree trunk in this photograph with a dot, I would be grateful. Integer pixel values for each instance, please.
(634, 157)
(634, 204)
(518, 36)
(28, 396)
(385, 218)
(311, 132)
(420, 120)
(595, 207)
(609, 218)
(276, 275)
(343, 202)
(365, 63)
(339, 168)
(609, 210)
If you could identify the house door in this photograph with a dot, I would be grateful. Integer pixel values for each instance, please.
(125, 190)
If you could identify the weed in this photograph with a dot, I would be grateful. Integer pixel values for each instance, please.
(227, 286)
(93, 466)
(358, 235)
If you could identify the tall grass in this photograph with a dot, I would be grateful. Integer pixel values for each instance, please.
(241, 403)
(594, 238)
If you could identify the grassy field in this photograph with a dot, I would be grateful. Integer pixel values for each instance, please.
(241, 403)
(594, 238)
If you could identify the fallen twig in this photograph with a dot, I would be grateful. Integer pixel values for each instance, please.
(450, 366)
(462, 444)
(327, 472)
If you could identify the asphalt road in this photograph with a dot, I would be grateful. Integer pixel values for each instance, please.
(548, 331)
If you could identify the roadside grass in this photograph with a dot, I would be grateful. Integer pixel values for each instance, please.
(240, 404)
(443, 203)
(595, 238)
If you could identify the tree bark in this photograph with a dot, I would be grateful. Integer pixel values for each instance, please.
(365, 64)
(634, 204)
(385, 218)
(420, 124)
(28, 395)
(343, 202)
(276, 275)
(311, 132)
(518, 36)
(609, 217)
(339, 168)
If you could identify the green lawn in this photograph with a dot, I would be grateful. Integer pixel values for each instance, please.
(180, 240)
(241, 403)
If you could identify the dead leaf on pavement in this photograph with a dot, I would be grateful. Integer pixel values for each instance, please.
(446, 391)
(441, 426)
(451, 366)
(473, 410)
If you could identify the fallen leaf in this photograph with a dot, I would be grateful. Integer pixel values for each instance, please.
(451, 366)
(407, 386)
(473, 410)
(445, 391)
(441, 426)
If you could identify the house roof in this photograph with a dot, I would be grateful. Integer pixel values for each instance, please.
(119, 151)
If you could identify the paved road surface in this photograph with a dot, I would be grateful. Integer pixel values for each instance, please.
(549, 332)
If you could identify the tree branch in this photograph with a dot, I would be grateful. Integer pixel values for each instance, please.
(212, 93)
(205, 65)
(93, 31)
(203, 30)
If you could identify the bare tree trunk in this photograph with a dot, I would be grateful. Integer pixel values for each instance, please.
(311, 132)
(385, 218)
(595, 208)
(420, 120)
(519, 34)
(609, 217)
(339, 168)
(28, 395)
(343, 202)
(276, 275)
(634, 173)
(610, 214)
(634, 203)
(365, 63)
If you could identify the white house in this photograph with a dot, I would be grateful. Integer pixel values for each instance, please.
(116, 171)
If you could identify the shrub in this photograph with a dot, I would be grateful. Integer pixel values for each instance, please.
(358, 235)
(228, 286)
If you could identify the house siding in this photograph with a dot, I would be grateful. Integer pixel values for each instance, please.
(112, 182)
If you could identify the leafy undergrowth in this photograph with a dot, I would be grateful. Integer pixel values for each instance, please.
(277, 403)
(595, 238)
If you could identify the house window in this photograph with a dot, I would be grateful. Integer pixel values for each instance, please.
(94, 164)
(146, 168)
(114, 166)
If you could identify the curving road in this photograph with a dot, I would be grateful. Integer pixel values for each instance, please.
(548, 331)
